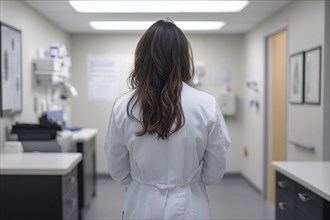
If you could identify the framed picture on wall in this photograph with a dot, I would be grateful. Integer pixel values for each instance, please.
(11, 71)
(312, 87)
(297, 78)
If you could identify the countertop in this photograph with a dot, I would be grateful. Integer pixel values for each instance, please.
(38, 163)
(315, 176)
(84, 134)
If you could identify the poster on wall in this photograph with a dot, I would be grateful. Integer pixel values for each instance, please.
(102, 78)
(313, 76)
(297, 78)
(11, 71)
(107, 76)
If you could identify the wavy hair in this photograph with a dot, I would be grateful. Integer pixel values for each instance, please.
(163, 61)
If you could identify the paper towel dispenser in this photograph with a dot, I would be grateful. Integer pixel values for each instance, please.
(227, 102)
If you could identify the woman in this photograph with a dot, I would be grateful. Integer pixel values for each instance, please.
(165, 140)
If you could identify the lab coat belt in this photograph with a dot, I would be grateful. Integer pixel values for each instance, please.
(164, 186)
(162, 192)
(194, 177)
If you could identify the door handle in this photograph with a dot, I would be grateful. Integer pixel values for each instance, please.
(305, 197)
(283, 184)
(283, 206)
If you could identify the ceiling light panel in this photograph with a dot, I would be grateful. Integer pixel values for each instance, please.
(158, 6)
(143, 25)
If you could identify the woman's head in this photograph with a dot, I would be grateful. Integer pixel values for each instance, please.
(163, 60)
(163, 53)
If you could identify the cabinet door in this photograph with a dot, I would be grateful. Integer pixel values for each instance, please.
(302, 215)
(285, 208)
(88, 172)
(69, 181)
(308, 201)
(70, 203)
(34, 197)
(285, 186)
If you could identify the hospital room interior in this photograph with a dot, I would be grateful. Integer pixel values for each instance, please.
(64, 63)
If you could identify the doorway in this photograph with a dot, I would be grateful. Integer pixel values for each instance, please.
(276, 119)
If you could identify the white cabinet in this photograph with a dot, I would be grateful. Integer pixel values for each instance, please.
(52, 71)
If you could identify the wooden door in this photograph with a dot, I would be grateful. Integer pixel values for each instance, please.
(277, 105)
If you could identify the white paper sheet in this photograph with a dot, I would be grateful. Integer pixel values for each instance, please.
(105, 76)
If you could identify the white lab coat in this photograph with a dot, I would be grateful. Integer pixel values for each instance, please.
(167, 178)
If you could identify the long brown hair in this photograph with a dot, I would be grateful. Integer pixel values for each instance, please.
(163, 60)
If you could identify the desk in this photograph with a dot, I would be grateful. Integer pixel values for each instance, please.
(39, 186)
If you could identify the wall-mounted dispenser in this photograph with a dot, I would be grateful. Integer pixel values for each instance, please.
(227, 102)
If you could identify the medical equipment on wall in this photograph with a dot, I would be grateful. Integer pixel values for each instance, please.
(253, 86)
(227, 102)
(52, 72)
(68, 91)
(52, 67)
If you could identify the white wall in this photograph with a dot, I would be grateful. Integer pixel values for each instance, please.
(305, 22)
(326, 112)
(95, 114)
(37, 32)
(224, 50)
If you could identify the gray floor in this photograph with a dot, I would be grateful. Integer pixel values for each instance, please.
(233, 198)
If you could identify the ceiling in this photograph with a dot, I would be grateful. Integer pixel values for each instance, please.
(63, 15)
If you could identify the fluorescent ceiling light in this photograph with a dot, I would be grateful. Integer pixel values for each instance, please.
(157, 6)
(143, 25)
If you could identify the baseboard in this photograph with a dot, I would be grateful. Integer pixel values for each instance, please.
(232, 174)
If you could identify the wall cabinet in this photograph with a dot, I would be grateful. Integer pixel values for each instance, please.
(39, 197)
(294, 201)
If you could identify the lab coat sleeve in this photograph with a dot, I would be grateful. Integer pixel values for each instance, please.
(117, 154)
(214, 160)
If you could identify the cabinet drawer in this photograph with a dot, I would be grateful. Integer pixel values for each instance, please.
(285, 186)
(70, 202)
(68, 181)
(284, 207)
(309, 202)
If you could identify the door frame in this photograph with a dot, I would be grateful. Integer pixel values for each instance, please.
(265, 116)
(326, 84)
